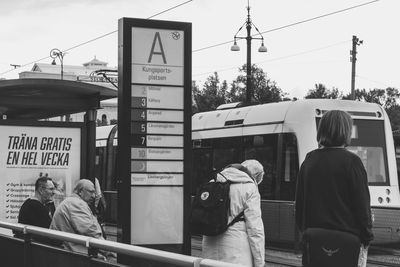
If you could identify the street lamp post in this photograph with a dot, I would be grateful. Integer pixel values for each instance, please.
(57, 53)
(235, 47)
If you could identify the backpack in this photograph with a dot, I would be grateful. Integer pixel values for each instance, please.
(211, 207)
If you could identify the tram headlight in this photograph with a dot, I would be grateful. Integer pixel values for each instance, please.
(380, 200)
(388, 199)
(388, 191)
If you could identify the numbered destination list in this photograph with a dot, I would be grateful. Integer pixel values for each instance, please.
(157, 135)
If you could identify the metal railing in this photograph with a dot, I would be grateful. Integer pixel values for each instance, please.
(120, 248)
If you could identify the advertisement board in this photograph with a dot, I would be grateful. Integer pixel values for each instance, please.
(28, 152)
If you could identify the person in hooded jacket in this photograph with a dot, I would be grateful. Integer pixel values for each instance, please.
(243, 242)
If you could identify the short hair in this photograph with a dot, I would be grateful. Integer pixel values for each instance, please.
(255, 168)
(334, 129)
(82, 184)
(41, 182)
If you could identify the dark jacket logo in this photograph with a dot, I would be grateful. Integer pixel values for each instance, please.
(329, 252)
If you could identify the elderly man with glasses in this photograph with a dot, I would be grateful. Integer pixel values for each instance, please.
(74, 215)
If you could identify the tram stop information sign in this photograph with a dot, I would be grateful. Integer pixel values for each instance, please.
(154, 131)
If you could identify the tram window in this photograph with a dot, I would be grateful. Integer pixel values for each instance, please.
(113, 185)
(202, 167)
(290, 167)
(264, 149)
(100, 163)
(227, 151)
(220, 152)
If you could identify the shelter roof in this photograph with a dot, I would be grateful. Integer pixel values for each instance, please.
(36, 99)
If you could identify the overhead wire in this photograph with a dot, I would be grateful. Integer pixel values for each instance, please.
(208, 47)
(292, 24)
(104, 35)
(374, 81)
(279, 58)
(95, 39)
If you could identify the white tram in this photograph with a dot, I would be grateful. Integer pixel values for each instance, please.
(280, 135)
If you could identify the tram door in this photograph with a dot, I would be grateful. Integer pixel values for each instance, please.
(105, 171)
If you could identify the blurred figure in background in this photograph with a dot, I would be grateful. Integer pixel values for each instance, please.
(99, 206)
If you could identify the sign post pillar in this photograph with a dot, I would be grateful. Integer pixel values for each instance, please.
(154, 133)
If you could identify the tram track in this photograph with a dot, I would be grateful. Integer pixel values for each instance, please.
(383, 256)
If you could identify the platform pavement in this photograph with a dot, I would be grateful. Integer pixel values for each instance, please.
(270, 255)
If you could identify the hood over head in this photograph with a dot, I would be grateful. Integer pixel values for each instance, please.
(234, 175)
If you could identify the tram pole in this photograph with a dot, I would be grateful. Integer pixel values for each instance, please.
(353, 59)
(90, 123)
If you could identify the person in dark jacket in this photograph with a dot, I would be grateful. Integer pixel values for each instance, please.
(34, 211)
(37, 210)
(332, 185)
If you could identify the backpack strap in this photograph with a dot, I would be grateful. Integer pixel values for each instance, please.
(238, 218)
(227, 180)
(242, 168)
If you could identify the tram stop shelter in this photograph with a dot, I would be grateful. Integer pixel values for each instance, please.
(32, 101)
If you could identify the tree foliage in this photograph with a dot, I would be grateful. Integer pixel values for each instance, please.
(214, 92)
(387, 98)
(211, 96)
(264, 89)
(320, 91)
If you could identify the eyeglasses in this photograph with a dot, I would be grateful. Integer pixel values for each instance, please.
(49, 188)
(90, 191)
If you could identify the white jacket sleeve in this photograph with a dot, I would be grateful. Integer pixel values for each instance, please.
(255, 227)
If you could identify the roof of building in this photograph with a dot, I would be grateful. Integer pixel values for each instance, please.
(67, 69)
(95, 62)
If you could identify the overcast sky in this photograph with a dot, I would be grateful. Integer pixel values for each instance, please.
(312, 50)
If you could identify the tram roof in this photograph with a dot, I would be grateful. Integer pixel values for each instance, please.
(279, 112)
(46, 98)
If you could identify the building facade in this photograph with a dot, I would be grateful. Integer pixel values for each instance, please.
(94, 71)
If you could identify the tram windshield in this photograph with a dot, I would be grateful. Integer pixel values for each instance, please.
(368, 142)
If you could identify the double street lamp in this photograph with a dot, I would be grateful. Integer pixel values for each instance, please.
(262, 49)
(57, 53)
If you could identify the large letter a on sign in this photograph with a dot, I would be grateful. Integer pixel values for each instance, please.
(157, 39)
